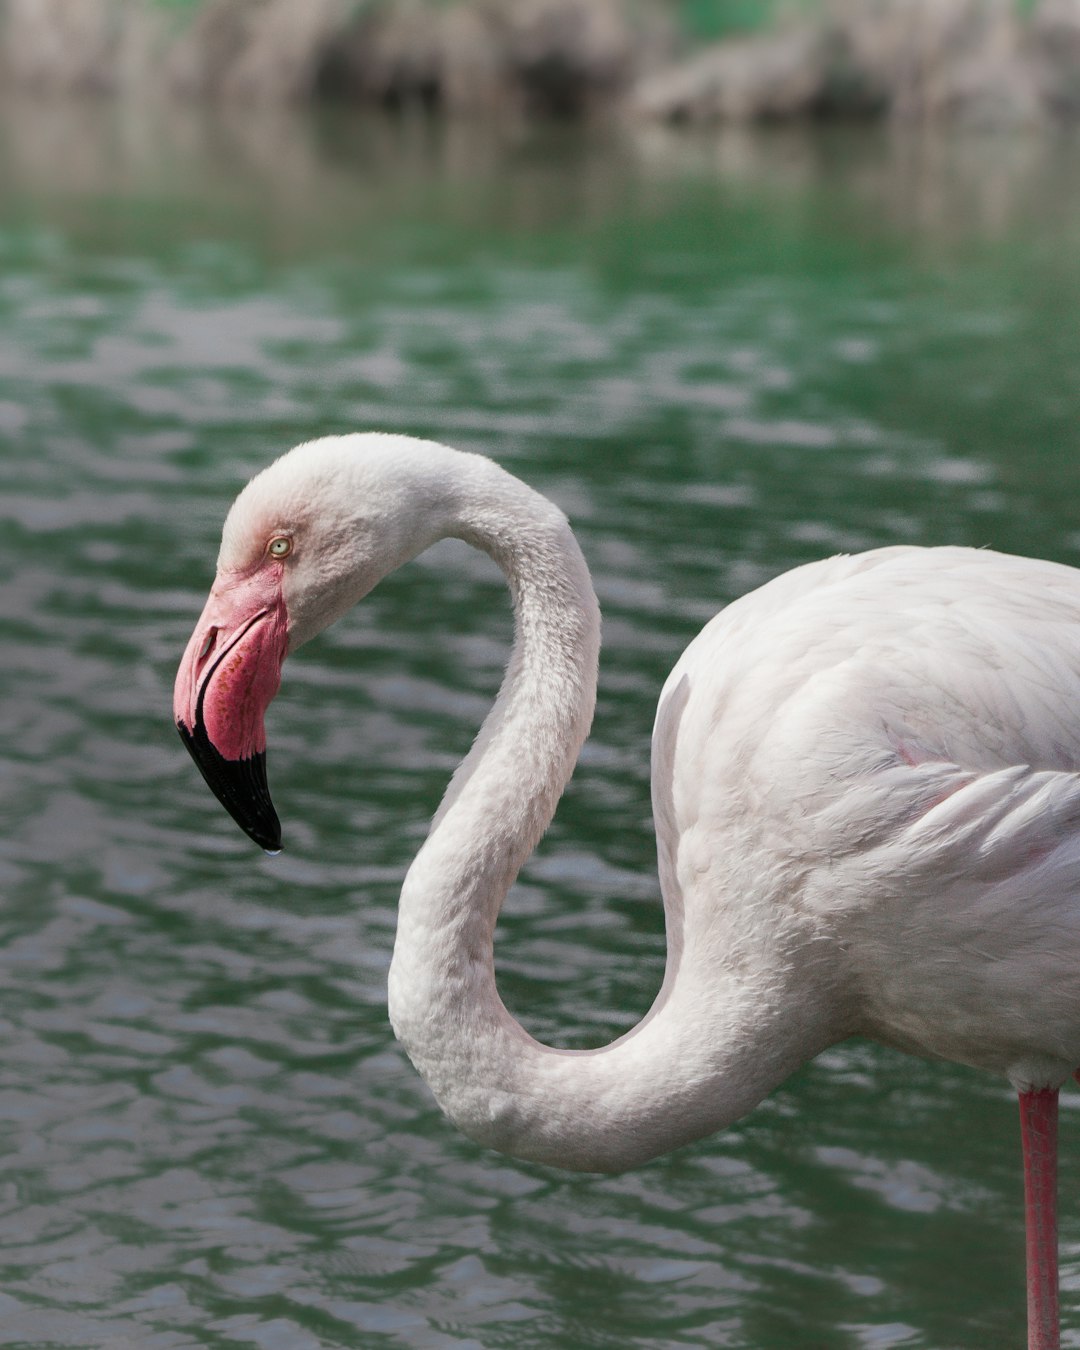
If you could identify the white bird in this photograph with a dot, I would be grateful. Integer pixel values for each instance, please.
(865, 785)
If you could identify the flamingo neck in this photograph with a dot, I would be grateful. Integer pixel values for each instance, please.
(707, 1051)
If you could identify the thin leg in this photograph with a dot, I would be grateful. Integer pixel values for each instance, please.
(1038, 1132)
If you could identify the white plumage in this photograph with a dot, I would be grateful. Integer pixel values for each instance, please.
(865, 787)
(895, 739)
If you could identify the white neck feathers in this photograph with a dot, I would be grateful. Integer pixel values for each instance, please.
(695, 1062)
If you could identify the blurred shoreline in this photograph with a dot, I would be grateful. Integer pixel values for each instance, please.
(986, 63)
(110, 168)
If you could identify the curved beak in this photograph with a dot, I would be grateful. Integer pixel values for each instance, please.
(227, 679)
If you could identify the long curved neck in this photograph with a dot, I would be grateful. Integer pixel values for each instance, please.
(705, 1053)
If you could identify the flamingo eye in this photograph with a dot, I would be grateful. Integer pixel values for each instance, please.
(280, 546)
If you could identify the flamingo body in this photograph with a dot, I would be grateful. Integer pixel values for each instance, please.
(865, 788)
(884, 748)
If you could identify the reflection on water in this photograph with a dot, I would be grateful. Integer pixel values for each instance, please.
(300, 171)
(722, 357)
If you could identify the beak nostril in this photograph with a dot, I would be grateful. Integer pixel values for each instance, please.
(208, 645)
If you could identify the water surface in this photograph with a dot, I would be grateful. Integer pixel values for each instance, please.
(722, 358)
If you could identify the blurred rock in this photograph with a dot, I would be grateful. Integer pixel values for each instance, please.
(779, 75)
(78, 46)
(202, 56)
(286, 47)
(256, 49)
(559, 57)
(965, 60)
(975, 62)
(554, 57)
(1056, 42)
(473, 73)
(548, 57)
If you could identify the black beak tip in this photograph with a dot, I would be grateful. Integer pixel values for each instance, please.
(238, 784)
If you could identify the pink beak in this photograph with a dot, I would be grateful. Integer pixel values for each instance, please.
(227, 679)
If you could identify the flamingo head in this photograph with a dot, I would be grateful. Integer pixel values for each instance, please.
(304, 541)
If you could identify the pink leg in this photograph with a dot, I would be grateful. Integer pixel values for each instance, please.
(1038, 1132)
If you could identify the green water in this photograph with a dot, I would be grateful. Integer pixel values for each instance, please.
(723, 358)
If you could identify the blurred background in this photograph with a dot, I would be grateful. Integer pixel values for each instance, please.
(739, 285)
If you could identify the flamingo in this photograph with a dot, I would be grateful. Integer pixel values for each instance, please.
(866, 789)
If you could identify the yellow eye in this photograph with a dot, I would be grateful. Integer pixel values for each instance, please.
(280, 546)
